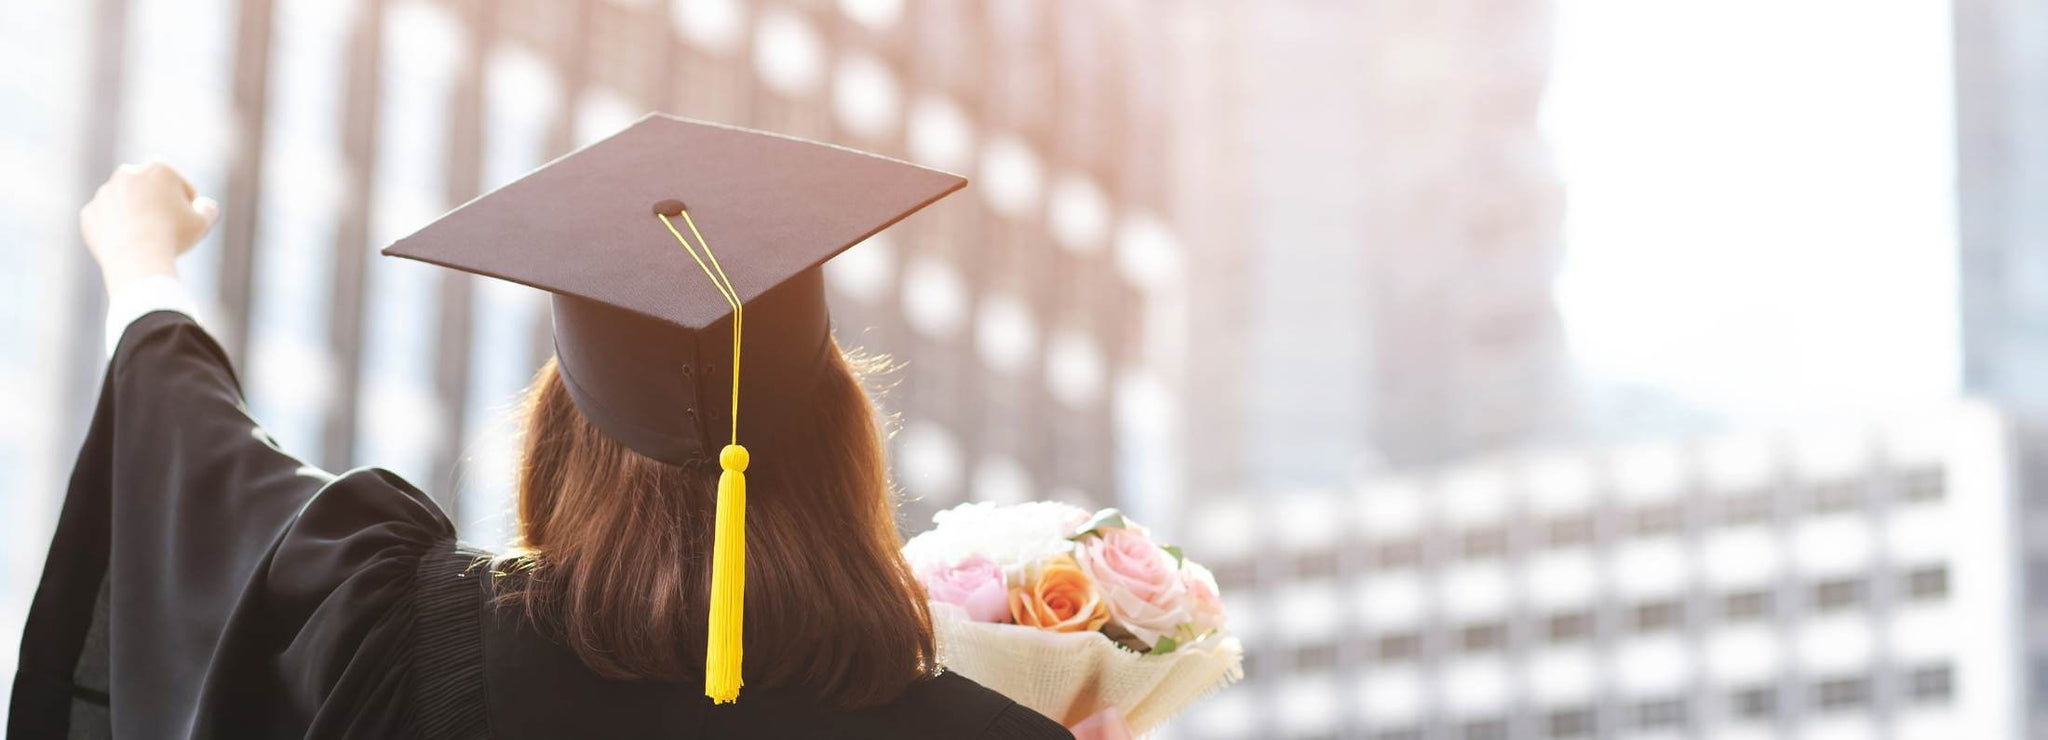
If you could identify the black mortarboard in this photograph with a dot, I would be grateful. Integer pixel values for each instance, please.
(642, 335)
(644, 319)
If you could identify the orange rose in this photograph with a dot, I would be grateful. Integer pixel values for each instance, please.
(1058, 597)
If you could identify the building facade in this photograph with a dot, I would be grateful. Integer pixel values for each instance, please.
(2001, 88)
(1375, 275)
(1830, 583)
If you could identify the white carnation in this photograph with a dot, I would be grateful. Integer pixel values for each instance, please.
(1010, 535)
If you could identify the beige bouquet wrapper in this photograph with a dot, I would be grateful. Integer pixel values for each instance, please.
(1070, 675)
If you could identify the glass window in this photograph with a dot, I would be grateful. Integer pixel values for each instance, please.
(1927, 584)
(291, 368)
(1482, 637)
(1757, 703)
(1317, 564)
(1233, 573)
(1403, 553)
(1400, 646)
(1658, 616)
(1486, 729)
(1660, 714)
(402, 414)
(1568, 627)
(1490, 542)
(1842, 694)
(1748, 508)
(1743, 606)
(1568, 531)
(1838, 595)
(1658, 519)
(1569, 723)
(1315, 658)
(1835, 496)
(1933, 684)
(1924, 484)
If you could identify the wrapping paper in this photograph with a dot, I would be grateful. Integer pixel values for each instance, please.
(1069, 676)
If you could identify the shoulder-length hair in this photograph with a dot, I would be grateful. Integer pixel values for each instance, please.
(616, 551)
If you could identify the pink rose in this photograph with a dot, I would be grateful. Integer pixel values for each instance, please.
(1140, 581)
(1205, 604)
(974, 584)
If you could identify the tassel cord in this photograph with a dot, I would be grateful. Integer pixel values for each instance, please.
(725, 638)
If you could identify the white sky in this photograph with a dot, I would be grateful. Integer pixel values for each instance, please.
(1761, 213)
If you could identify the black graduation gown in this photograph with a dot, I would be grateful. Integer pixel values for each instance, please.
(203, 583)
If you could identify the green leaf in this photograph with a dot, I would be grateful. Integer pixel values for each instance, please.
(1178, 558)
(1104, 519)
(1164, 645)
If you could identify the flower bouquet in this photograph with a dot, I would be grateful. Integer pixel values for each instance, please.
(1083, 618)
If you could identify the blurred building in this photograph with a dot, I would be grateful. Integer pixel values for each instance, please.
(329, 129)
(1830, 583)
(1373, 247)
(2001, 88)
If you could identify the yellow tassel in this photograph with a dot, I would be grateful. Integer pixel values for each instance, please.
(728, 579)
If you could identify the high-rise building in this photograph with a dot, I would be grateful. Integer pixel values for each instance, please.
(1823, 583)
(2001, 88)
(1015, 310)
(1373, 249)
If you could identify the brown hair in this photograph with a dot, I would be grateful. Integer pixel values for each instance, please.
(615, 551)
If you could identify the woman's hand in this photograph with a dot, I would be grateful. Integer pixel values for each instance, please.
(141, 220)
(1107, 724)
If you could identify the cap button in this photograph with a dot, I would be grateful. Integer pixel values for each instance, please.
(669, 207)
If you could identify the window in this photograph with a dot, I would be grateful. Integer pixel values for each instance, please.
(1660, 714)
(1837, 595)
(1491, 542)
(1315, 658)
(1925, 484)
(1402, 646)
(1317, 564)
(1757, 703)
(1480, 638)
(1570, 723)
(1568, 627)
(1657, 616)
(1658, 519)
(1930, 685)
(1486, 729)
(1233, 573)
(1748, 508)
(1404, 553)
(1837, 496)
(1568, 531)
(1744, 606)
(1841, 694)
(1927, 584)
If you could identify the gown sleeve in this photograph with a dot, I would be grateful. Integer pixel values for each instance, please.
(232, 589)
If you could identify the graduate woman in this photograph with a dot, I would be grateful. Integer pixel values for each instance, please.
(706, 545)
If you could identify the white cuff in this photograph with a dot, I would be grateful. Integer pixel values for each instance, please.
(138, 299)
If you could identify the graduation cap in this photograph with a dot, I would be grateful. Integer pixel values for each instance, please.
(675, 249)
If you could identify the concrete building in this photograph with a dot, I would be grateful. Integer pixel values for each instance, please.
(2001, 87)
(1829, 583)
(1374, 269)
